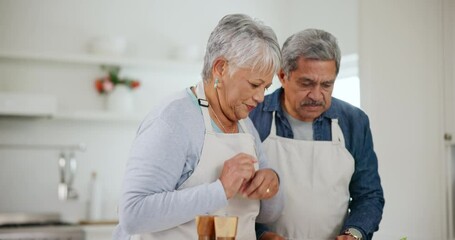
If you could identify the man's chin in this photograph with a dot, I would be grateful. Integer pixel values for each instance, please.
(309, 116)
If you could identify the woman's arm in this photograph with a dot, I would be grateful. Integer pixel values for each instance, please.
(150, 201)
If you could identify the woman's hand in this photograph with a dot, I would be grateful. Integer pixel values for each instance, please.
(263, 185)
(271, 236)
(237, 171)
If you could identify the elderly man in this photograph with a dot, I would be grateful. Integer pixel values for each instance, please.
(321, 146)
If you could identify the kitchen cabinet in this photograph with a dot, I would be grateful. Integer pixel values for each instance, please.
(48, 60)
(408, 125)
(98, 232)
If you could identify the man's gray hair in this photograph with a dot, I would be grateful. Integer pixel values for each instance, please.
(310, 44)
(244, 43)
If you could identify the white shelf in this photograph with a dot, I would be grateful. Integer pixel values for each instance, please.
(163, 65)
(83, 58)
(104, 116)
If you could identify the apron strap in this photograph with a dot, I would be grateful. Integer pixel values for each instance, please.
(243, 126)
(273, 127)
(337, 134)
(204, 104)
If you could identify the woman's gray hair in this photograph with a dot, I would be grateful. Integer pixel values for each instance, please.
(244, 43)
(310, 44)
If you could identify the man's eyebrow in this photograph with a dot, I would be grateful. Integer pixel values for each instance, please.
(305, 79)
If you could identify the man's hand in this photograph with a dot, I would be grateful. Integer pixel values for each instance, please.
(344, 237)
(271, 236)
(263, 185)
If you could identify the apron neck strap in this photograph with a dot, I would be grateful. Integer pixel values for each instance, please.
(204, 104)
(273, 127)
(337, 134)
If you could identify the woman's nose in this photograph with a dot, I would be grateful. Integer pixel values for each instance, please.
(259, 96)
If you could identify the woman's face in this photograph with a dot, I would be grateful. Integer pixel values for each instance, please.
(241, 91)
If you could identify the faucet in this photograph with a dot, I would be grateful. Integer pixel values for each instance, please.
(67, 169)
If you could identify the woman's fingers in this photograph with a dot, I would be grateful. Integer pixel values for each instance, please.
(235, 172)
(263, 185)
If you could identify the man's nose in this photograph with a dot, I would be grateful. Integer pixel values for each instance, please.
(316, 93)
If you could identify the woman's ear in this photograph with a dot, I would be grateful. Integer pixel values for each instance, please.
(219, 68)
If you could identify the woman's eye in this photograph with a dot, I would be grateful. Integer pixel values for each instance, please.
(254, 85)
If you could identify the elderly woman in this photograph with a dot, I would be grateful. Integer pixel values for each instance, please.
(199, 153)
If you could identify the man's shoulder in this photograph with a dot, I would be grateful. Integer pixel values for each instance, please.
(353, 121)
(271, 102)
(344, 109)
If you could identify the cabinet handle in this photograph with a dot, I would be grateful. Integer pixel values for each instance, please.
(448, 137)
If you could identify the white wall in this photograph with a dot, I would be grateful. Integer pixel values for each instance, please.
(154, 30)
(401, 72)
(401, 83)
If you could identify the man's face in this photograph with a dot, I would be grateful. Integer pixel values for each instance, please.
(308, 89)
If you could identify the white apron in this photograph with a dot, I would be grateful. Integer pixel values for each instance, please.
(315, 176)
(218, 147)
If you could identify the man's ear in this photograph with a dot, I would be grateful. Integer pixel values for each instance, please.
(282, 76)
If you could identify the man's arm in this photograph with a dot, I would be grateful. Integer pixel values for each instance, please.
(263, 233)
(365, 188)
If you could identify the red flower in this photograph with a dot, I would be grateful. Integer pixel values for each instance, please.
(107, 83)
(135, 84)
(99, 85)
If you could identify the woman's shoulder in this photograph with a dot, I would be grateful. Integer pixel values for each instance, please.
(174, 109)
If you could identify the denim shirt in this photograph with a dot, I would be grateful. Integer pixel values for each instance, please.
(365, 187)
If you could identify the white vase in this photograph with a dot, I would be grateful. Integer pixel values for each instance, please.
(120, 100)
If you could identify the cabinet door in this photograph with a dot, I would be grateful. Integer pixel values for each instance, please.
(449, 109)
(401, 74)
(99, 232)
(449, 69)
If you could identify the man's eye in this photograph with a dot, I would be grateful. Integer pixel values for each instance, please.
(306, 84)
(327, 85)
